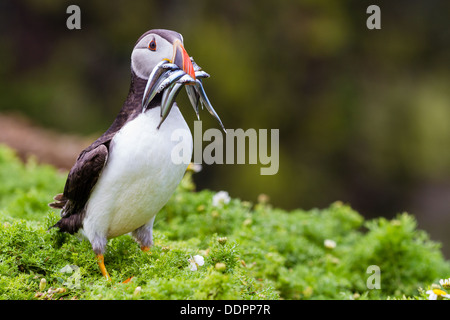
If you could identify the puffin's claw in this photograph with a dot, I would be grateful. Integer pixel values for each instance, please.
(101, 264)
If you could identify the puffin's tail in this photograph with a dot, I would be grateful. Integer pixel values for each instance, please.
(59, 203)
(71, 218)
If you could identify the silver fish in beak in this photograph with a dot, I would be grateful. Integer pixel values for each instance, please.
(156, 76)
(169, 77)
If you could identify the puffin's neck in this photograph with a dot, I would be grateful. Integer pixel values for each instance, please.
(133, 104)
(137, 88)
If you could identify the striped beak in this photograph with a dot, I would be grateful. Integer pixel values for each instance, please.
(182, 59)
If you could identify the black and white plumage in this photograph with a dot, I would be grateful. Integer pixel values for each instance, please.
(120, 182)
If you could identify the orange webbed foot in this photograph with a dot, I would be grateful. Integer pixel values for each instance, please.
(146, 249)
(101, 265)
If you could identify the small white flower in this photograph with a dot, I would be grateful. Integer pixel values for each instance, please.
(137, 291)
(193, 267)
(434, 294)
(220, 198)
(329, 244)
(431, 295)
(196, 261)
(445, 283)
(196, 167)
(199, 260)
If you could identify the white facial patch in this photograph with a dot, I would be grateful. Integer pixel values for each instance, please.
(143, 60)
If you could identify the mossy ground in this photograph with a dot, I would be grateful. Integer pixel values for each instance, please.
(251, 251)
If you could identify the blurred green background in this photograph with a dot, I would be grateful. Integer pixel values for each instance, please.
(363, 114)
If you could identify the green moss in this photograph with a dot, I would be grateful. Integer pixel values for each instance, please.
(251, 251)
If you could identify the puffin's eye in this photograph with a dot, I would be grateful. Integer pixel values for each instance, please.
(152, 45)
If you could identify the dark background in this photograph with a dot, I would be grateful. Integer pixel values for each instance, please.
(363, 114)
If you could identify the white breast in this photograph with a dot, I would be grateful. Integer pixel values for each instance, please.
(139, 176)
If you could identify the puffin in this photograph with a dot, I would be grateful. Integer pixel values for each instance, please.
(122, 180)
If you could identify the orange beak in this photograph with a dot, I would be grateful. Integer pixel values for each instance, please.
(182, 59)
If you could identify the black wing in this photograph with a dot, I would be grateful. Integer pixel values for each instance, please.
(81, 180)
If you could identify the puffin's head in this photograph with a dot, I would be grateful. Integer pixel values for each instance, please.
(157, 45)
